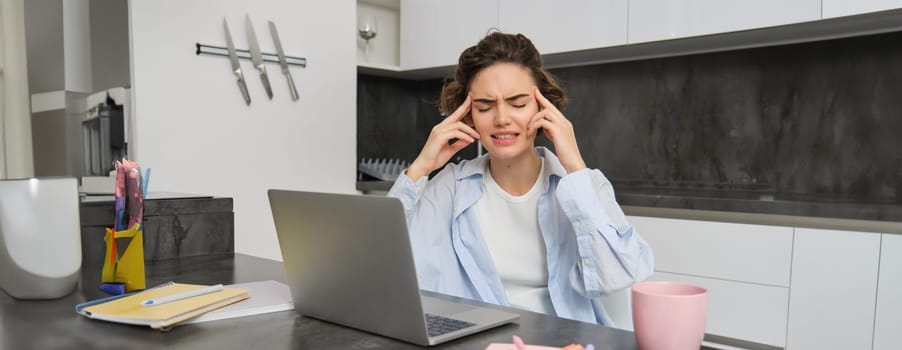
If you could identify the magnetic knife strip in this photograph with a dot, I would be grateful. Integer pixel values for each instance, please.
(245, 54)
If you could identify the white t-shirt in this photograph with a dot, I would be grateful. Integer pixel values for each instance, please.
(510, 227)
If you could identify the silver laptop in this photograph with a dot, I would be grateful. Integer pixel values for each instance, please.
(348, 260)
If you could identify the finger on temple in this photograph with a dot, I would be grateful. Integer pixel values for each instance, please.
(460, 112)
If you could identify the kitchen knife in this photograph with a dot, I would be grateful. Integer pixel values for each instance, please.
(256, 56)
(236, 67)
(282, 61)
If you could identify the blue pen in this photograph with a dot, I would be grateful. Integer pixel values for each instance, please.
(180, 296)
(145, 179)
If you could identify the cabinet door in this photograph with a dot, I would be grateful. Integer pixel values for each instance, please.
(839, 8)
(833, 289)
(889, 290)
(746, 311)
(434, 33)
(559, 26)
(738, 252)
(651, 20)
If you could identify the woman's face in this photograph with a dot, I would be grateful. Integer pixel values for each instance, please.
(503, 104)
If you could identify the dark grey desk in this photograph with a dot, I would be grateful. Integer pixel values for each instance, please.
(55, 325)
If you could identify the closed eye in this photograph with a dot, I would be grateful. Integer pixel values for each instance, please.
(518, 101)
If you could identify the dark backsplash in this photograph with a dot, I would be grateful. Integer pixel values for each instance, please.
(814, 122)
(394, 117)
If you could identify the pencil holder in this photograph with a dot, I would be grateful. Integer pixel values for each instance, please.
(129, 267)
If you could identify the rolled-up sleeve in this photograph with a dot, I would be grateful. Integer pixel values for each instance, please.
(612, 255)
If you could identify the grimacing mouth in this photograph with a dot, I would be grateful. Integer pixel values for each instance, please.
(505, 136)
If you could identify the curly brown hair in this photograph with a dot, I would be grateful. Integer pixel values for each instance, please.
(495, 48)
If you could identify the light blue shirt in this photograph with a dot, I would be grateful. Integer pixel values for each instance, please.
(592, 249)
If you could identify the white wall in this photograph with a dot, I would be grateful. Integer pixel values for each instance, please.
(15, 116)
(109, 44)
(77, 45)
(194, 130)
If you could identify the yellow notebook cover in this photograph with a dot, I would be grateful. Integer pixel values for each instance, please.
(129, 309)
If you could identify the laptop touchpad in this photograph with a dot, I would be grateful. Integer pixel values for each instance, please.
(442, 307)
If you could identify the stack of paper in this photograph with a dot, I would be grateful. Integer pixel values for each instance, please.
(266, 296)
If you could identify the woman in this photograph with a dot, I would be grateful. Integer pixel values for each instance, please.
(520, 226)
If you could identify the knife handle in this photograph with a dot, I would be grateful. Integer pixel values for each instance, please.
(265, 79)
(294, 90)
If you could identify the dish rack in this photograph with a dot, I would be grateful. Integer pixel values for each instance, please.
(382, 168)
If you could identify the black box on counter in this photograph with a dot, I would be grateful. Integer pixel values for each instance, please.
(174, 226)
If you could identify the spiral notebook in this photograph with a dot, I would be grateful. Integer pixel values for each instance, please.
(129, 309)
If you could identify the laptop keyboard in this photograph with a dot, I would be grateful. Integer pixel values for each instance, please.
(439, 325)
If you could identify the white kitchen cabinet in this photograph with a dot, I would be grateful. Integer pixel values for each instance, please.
(839, 8)
(560, 26)
(746, 269)
(833, 289)
(652, 20)
(383, 49)
(746, 311)
(889, 295)
(434, 33)
(740, 252)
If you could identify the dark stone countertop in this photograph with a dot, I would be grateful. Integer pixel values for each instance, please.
(761, 203)
(164, 203)
(745, 206)
(54, 324)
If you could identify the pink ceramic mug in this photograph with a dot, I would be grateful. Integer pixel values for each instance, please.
(669, 315)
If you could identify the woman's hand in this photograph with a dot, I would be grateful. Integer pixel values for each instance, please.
(559, 130)
(446, 139)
